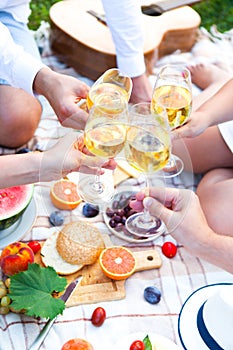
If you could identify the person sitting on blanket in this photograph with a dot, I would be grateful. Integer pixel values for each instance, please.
(23, 77)
(208, 137)
(203, 222)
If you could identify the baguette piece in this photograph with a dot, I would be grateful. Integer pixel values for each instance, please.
(51, 257)
(80, 243)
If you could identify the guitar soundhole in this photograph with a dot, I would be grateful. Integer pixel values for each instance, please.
(152, 10)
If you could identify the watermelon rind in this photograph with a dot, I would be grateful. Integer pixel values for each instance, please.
(7, 220)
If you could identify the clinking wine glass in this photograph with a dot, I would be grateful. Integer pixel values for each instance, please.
(173, 91)
(147, 149)
(113, 80)
(104, 137)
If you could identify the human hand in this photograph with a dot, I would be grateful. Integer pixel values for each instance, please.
(69, 154)
(142, 89)
(196, 125)
(63, 92)
(181, 212)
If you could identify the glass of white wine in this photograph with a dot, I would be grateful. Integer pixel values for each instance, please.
(104, 137)
(113, 80)
(147, 149)
(173, 91)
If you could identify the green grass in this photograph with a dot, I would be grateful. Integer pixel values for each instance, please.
(219, 12)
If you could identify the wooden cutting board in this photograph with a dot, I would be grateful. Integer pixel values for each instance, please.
(96, 287)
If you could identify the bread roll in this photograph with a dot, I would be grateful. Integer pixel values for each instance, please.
(51, 257)
(80, 243)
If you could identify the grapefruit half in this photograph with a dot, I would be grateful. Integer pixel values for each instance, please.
(64, 195)
(118, 263)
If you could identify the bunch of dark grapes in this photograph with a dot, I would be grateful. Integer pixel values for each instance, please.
(117, 215)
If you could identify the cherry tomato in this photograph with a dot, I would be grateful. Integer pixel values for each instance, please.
(137, 345)
(35, 246)
(98, 317)
(169, 249)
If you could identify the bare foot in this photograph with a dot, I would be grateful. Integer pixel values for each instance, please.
(204, 75)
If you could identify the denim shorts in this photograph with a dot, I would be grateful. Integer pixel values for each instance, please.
(21, 36)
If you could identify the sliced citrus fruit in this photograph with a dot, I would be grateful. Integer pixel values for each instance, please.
(64, 195)
(118, 263)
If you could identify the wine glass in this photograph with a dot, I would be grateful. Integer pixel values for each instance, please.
(104, 136)
(147, 149)
(109, 82)
(173, 91)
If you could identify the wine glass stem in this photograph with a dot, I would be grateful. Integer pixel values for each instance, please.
(98, 186)
(147, 218)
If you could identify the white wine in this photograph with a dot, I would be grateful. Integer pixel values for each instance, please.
(177, 101)
(109, 93)
(147, 150)
(105, 140)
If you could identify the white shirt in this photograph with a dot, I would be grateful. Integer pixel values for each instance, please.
(19, 9)
(124, 19)
(16, 66)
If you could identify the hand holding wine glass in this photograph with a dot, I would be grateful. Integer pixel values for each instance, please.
(104, 136)
(173, 91)
(147, 149)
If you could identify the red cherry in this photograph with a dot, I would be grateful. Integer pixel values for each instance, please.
(169, 249)
(137, 345)
(35, 246)
(98, 317)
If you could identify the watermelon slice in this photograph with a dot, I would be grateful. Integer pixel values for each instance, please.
(13, 202)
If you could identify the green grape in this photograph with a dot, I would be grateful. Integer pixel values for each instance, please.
(7, 282)
(3, 290)
(5, 301)
(4, 310)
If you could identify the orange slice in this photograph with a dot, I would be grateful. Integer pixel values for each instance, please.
(64, 195)
(118, 263)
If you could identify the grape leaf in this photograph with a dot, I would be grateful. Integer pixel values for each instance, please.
(31, 290)
(147, 343)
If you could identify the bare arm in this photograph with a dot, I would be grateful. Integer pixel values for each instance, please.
(181, 211)
(66, 156)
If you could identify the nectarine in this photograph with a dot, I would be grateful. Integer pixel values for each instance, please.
(15, 258)
(77, 344)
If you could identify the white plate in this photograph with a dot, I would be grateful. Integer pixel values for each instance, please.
(159, 342)
(20, 228)
(124, 233)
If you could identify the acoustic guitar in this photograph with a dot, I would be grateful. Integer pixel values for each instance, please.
(80, 37)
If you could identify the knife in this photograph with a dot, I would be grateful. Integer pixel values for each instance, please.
(45, 330)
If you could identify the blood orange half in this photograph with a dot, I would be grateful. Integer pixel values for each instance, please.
(64, 195)
(118, 263)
